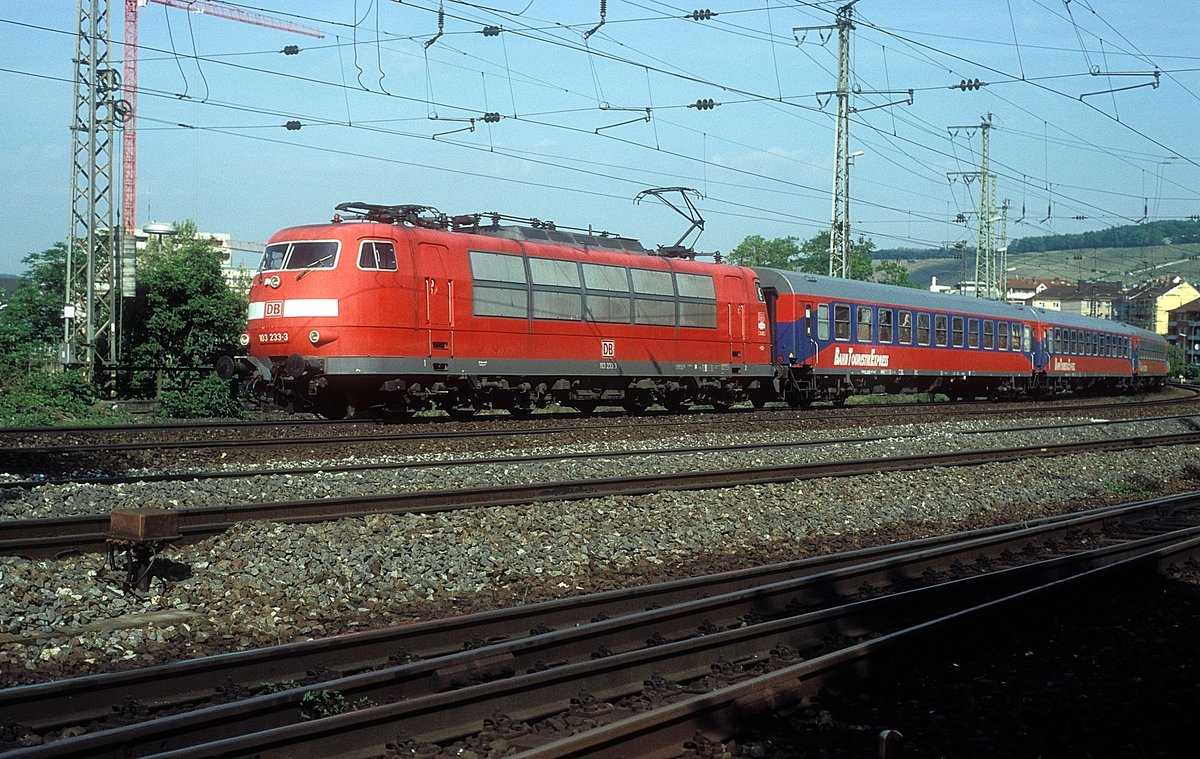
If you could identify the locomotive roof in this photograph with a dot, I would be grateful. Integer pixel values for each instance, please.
(578, 239)
(907, 297)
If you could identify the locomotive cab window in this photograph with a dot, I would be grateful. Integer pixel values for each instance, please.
(300, 255)
(377, 254)
(957, 326)
(841, 322)
(885, 325)
(866, 318)
(940, 331)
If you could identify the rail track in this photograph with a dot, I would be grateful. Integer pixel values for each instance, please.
(88, 533)
(95, 448)
(625, 673)
(340, 468)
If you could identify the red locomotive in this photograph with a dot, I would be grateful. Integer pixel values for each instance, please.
(400, 309)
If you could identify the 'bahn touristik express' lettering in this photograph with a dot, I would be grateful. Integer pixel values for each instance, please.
(850, 358)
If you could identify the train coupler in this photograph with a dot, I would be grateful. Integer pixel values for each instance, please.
(139, 536)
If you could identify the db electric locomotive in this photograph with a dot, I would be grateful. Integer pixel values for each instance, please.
(400, 309)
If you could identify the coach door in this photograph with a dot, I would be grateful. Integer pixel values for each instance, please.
(735, 289)
(436, 307)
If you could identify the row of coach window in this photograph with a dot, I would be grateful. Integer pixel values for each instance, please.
(888, 326)
(892, 326)
(1083, 342)
(518, 287)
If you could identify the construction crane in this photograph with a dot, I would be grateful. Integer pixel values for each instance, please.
(130, 78)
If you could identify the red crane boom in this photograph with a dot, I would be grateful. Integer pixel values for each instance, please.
(129, 138)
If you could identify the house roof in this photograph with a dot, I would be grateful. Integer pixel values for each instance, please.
(1082, 291)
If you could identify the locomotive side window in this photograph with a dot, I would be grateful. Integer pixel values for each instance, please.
(1002, 335)
(866, 318)
(841, 322)
(654, 297)
(500, 287)
(1027, 335)
(957, 327)
(972, 333)
(989, 338)
(885, 325)
(923, 329)
(823, 321)
(556, 289)
(698, 300)
(939, 329)
(905, 328)
(376, 254)
(606, 294)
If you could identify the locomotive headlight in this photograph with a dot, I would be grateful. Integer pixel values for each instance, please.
(314, 337)
(273, 281)
(244, 339)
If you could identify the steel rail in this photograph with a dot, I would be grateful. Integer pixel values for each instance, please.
(526, 459)
(890, 410)
(87, 533)
(725, 713)
(523, 698)
(751, 597)
(46, 706)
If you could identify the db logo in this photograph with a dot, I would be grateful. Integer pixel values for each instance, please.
(608, 348)
(273, 308)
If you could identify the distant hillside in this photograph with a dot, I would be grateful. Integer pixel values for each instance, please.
(1126, 265)
(1129, 254)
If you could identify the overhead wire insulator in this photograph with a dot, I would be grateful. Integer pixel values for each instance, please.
(491, 117)
(1079, 217)
(603, 13)
(968, 84)
(704, 15)
(704, 104)
(291, 50)
(293, 126)
(492, 31)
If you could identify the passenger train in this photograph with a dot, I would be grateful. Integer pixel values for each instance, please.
(398, 309)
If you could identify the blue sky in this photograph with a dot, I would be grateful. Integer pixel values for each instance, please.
(573, 144)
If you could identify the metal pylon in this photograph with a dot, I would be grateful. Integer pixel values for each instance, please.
(93, 281)
(839, 230)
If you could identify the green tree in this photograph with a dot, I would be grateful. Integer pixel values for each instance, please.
(815, 256)
(31, 320)
(811, 256)
(756, 250)
(1178, 366)
(183, 315)
(893, 273)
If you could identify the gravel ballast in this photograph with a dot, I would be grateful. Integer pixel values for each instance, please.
(264, 583)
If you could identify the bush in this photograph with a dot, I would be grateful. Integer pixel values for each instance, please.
(45, 398)
(207, 397)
